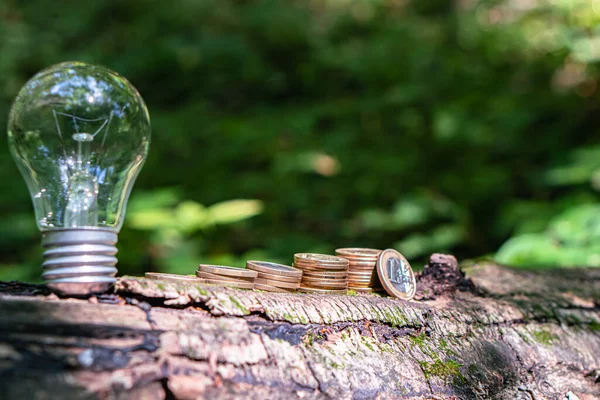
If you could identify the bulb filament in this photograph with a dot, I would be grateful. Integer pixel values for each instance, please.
(82, 192)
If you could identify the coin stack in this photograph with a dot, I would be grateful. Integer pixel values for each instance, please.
(173, 278)
(322, 273)
(220, 275)
(273, 277)
(362, 269)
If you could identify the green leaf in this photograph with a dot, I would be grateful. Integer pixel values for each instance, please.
(578, 226)
(410, 212)
(228, 212)
(191, 216)
(447, 236)
(150, 219)
(529, 250)
(152, 200)
(414, 245)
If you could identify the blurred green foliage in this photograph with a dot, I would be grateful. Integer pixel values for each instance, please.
(425, 125)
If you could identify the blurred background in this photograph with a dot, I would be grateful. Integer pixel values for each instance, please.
(464, 126)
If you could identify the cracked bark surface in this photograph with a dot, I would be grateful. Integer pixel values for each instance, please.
(511, 334)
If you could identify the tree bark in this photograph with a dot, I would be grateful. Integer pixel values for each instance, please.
(505, 334)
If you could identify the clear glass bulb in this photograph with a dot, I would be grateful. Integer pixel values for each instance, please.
(79, 134)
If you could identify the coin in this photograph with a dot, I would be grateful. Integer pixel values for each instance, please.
(362, 265)
(273, 268)
(325, 275)
(396, 275)
(269, 288)
(282, 278)
(358, 284)
(365, 280)
(279, 284)
(322, 280)
(320, 291)
(327, 287)
(320, 267)
(357, 252)
(231, 284)
(228, 271)
(322, 259)
(366, 274)
(208, 275)
(341, 284)
(158, 276)
(360, 260)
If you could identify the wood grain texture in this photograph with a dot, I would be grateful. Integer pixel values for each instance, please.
(508, 334)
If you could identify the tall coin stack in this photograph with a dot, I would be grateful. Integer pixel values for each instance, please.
(362, 269)
(322, 273)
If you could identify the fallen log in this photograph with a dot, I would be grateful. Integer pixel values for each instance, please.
(497, 333)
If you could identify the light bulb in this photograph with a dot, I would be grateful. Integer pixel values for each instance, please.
(79, 134)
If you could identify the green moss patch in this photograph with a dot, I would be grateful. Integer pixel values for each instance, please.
(544, 336)
(447, 370)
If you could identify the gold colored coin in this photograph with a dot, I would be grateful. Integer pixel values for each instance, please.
(231, 284)
(324, 281)
(326, 287)
(273, 268)
(208, 275)
(322, 259)
(358, 252)
(322, 285)
(396, 275)
(362, 261)
(281, 278)
(228, 271)
(158, 276)
(320, 267)
(279, 284)
(269, 288)
(362, 273)
(369, 265)
(360, 279)
(324, 275)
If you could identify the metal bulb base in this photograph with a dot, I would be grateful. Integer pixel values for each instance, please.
(79, 261)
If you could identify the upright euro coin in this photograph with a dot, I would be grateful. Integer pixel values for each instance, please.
(396, 275)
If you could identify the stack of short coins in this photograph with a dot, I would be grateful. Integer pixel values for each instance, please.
(220, 275)
(362, 269)
(274, 277)
(322, 273)
(173, 278)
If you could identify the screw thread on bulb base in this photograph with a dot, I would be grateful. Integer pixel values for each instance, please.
(79, 261)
